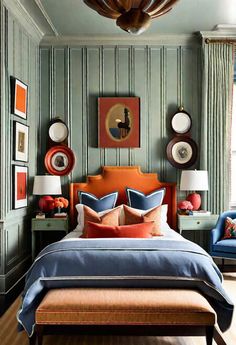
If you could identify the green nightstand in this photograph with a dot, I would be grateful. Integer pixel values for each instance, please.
(47, 224)
(197, 228)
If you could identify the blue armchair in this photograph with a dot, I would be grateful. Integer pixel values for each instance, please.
(224, 249)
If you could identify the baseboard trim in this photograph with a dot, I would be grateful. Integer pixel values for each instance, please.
(6, 299)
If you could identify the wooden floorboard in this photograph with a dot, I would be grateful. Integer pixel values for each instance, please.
(10, 336)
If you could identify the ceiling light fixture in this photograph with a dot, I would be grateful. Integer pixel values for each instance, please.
(133, 16)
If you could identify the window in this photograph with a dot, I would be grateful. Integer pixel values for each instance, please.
(233, 147)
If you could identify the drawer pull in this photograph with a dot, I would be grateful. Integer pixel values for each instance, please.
(48, 225)
(198, 222)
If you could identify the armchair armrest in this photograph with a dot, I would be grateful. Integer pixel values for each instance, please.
(215, 235)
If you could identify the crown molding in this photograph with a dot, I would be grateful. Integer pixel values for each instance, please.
(120, 40)
(220, 31)
(46, 16)
(24, 18)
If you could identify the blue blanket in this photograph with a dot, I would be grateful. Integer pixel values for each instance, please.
(122, 263)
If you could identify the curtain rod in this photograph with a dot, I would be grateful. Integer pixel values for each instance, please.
(226, 40)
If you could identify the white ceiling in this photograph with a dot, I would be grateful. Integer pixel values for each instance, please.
(74, 18)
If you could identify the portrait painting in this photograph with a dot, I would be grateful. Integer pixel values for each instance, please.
(119, 122)
(21, 142)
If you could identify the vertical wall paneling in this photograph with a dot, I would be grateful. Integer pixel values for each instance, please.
(72, 78)
(19, 58)
(123, 89)
(109, 90)
(76, 108)
(155, 139)
(140, 89)
(172, 99)
(59, 83)
(45, 104)
(92, 92)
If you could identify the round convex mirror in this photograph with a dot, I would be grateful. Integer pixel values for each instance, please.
(181, 122)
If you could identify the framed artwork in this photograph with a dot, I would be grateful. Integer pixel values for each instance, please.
(19, 98)
(20, 178)
(59, 160)
(118, 122)
(182, 152)
(21, 142)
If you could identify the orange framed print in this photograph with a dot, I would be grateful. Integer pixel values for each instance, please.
(20, 177)
(119, 122)
(19, 98)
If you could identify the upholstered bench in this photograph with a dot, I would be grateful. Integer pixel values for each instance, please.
(125, 311)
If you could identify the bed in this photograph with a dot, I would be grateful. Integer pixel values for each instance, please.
(167, 264)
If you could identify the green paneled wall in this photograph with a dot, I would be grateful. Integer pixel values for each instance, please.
(20, 58)
(164, 77)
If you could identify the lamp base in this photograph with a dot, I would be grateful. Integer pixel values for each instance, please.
(195, 200)
(46, 203)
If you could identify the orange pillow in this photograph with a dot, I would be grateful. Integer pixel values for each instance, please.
(95, 230)
(153, 215)
(109, 218)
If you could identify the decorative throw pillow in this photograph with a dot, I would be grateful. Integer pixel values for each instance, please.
(109, 218)
(95, 230)
(230, 228)
(154, 215)
(137, 199)
(104, 203)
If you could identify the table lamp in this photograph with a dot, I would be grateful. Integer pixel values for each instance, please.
(194, 180)
(46, 185)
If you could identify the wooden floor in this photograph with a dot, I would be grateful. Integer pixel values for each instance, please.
(10, 336)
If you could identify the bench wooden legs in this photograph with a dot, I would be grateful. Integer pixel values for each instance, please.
(37, 338)
(209, 335)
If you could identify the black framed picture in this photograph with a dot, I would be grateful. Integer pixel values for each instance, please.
(19, 97)
(21, 141)
(20, 185)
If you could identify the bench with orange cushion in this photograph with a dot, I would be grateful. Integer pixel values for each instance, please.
(136, 311)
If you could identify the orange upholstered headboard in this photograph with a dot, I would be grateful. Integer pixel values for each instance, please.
(113, 178)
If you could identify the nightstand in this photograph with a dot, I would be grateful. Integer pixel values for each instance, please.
(47, 224)
(197, 228)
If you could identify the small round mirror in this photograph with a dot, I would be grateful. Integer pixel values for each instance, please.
(181, 122)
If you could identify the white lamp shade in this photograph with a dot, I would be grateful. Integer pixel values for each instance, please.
(192, 180)
(47, 185)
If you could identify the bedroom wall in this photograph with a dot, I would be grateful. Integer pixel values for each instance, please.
(164, 76)
(19, 58)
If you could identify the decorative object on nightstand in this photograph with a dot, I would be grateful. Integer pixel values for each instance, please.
(185, 207)
(60, 205)
(197, 228)
(194, 180)
(48, 224)
(46, 185)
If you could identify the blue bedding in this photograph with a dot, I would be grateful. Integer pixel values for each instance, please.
(122, 263)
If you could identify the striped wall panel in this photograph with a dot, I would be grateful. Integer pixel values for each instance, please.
(164, 77)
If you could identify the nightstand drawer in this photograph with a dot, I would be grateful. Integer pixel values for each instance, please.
(197, 223)
(49, 224)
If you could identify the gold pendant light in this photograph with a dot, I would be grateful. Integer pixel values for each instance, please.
(133, 16)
